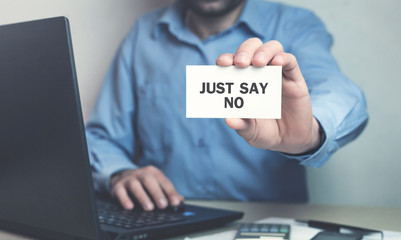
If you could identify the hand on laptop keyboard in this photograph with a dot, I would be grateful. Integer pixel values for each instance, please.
(170, 208)
(148, 186)
(114, 215)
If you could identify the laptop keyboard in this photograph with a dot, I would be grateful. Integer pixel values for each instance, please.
(113, 215)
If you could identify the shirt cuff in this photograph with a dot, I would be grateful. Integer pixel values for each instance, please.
(113, 164)
(329, 146)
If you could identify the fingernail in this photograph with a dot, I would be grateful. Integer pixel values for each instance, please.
(224, 57)
(175, 201)
(128, 205)
(260, 56)
(148, 206)
(277, 59)
(240, 57)
(162, 203)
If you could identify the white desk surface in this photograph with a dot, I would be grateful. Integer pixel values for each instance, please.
(368, 217)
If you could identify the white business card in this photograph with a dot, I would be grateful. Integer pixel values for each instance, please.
(231, 92)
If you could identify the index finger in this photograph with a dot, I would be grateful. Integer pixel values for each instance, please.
(121, 194)
(225, 59)
(265, 53)
(246, 51)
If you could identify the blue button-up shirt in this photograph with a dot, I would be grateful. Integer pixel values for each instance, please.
(139, 118)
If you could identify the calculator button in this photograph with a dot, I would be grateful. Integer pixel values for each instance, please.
(284, 230)
(274, 229)
(254, 229)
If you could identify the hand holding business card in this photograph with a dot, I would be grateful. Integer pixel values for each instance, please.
(248, 94)
(231, 92)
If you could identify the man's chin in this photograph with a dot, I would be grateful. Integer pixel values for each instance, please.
(212, 8)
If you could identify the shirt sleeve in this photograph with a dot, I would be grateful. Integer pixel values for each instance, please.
(110, 129)
(337, 103)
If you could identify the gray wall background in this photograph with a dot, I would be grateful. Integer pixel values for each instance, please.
(367, 46)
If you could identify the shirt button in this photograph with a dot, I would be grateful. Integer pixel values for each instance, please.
(201, 142)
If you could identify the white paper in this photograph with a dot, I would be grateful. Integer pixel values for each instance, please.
(299, 231)
(231, 92)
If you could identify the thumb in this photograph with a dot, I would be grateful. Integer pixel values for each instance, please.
(244, 127)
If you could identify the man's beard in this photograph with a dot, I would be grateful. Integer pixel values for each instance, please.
(226, 7)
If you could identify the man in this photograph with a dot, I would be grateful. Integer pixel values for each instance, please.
(142, 146)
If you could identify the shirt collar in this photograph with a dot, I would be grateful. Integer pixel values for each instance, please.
(251, 18)
(173, 18)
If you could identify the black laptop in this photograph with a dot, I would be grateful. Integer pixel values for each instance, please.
(46, 187)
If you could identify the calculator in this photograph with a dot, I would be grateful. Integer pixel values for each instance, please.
(270, 231)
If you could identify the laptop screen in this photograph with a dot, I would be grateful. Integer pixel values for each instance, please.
(44, 180)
